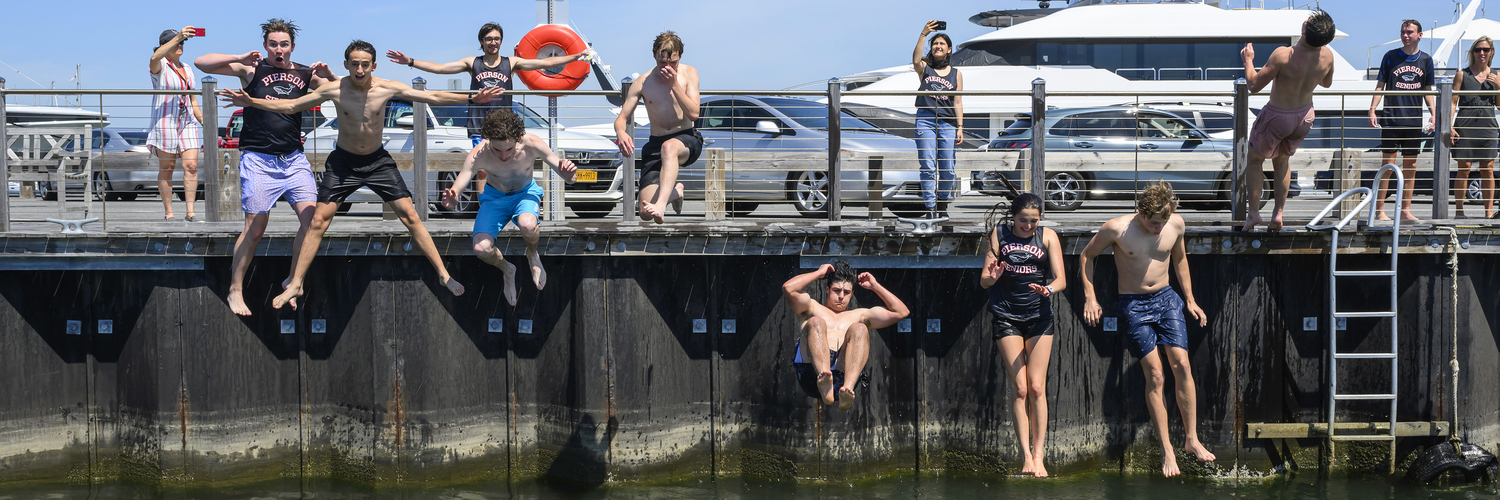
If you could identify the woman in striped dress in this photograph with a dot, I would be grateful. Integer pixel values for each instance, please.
(176, 120)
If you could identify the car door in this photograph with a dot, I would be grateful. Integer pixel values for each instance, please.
(1169, 148)
(756, 173)
(1107, 133)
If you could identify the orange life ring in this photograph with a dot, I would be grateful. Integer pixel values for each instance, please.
(572, 73)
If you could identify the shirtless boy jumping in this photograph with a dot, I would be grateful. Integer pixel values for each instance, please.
(1144, 243)
(507, 154)
(671, 94)
(1286, 119)
(835, 340)
(360, 158)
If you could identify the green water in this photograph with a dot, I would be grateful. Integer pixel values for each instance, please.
(1086, 486)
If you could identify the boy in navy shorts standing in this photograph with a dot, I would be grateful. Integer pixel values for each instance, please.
(1401, 127)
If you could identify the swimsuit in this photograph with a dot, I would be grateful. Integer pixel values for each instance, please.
(498, 208)
(345, 172)
(650, 159)
(1278, 132)
(1153, 319)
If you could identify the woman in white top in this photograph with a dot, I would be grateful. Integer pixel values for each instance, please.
(176, 120)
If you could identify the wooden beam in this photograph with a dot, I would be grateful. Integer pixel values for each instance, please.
(1320, 430)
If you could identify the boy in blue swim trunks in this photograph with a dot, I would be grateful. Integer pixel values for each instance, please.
(1146, 244)
(506, 153)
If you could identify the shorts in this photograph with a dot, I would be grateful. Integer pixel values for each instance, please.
(498, 208)
(1278, 132)
(264, 179)
(345, 172)
(1153, 319)
(649, 161)
(1404, 140)
(807, 376)
(1005, 327)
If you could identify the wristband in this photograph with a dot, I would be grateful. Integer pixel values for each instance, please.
(471, 98)
(412, 63)
(1049, 289)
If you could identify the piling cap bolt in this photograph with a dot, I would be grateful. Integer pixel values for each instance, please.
(210, 79)
(418, 81)
(1039, 81)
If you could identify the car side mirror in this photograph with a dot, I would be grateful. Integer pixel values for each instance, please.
(767, 127)
(406, 122)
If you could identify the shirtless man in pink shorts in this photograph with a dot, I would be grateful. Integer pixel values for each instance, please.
(1286, 119)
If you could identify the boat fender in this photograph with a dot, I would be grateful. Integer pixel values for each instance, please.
(570, 76)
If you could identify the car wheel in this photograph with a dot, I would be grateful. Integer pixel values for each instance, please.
(1064, 191)
(809, 193)
(467, 201)
(740, 208)
(592, 209)
(101, 188)
(125, 196)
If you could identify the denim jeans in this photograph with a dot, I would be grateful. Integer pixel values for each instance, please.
(935, 155)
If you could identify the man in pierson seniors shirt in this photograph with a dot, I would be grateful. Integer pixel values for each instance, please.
(1401, 127)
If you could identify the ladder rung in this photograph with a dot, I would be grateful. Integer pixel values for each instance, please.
(1364, 273)
(1346, 397)
(1386, 437)
(1365, 314)
(1365, 355)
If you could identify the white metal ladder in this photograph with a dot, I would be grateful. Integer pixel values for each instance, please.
(1334, 276)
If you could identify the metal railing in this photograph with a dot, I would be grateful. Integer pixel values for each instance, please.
(815, 153)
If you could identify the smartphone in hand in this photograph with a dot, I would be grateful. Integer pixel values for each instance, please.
(200, 31)
(941, 26)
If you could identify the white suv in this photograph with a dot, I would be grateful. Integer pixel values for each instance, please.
(599, 162)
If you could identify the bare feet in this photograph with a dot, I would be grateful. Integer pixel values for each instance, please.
(453, 286)
(289, 295)
(1380, 215)
(509, 270)
(1169, 464)
(655, 213)
(1275, 224)
(1026, 468)
(1407, 215)
(538, 275)
(1197, 449)
(677, 203)
(1037, 469)
(286, 283)
(825, 387)
(1251, 220)
(846, 398)
(237, 303)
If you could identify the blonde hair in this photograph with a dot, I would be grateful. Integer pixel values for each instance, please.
(668, 41)
(1482, 39)
(1157, 199)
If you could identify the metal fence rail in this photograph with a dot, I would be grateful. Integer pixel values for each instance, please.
(788, 154)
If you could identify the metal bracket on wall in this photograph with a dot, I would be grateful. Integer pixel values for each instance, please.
(923, 226)
(73, 226)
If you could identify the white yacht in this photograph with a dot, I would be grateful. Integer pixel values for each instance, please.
(53, 116)
(1123, 46)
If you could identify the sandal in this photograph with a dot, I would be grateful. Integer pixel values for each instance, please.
(192, 218)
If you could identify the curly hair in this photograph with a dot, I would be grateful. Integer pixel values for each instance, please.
(361, 46)
(1320, 29)
(1157, 199)
(502, 125)
(842, 272)
(278, 25)
(667, 41)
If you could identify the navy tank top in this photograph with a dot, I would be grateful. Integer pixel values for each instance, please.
(268, 132)
(482, 77)
(1026, 263)
(940, 105)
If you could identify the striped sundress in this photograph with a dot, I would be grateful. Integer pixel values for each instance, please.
(174, 128)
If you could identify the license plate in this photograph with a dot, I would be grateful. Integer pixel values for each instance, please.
(587, 176)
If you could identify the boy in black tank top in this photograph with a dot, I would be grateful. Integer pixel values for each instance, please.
(272, 165)
(486, 71)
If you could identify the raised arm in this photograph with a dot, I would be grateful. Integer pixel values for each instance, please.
(283, 106)
(519, 64)
(1267, 74)
(800, 301)
(881, 317)
(438, 98)
(1185, 277)
(917, 64)
(459, 66)
(322, 74)
(565, 168)
(240, 65)
(1103, 239)
(161, 52)
(627, 112)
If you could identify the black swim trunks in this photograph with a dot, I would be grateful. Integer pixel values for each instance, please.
(345, 172)
(1005, 327)
(649, 158)
(807, 376)
(1409, 141)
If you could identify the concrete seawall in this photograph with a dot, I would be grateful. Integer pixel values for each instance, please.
(384, 379)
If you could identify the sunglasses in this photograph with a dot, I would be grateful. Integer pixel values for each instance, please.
(1482, 49)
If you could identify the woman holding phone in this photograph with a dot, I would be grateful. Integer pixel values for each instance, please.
(1021, 257)
(939, 127)
(176, 120)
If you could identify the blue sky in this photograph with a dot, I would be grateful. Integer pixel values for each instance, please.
(742, 45)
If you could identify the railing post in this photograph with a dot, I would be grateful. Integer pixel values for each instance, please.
(627, 170)
(877, 185)
(835, 145)
(419, 198)
(208, 165)
(1038, 164)
(4, 165)
(1237, 205)
(553, 186)
(1441, 184)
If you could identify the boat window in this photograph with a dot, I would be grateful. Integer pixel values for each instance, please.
(1139, 59)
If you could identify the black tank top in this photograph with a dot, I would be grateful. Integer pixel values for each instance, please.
(268, 132)
(1011, 297)
(482, 77)
(940, 105)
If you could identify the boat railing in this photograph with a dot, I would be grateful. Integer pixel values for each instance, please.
(766, 157)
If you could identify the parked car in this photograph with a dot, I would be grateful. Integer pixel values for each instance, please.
(1214, 118)
(229, 136)
(595, 194)
(763, 124)
(1142, 131)
(904, 124)
(123, 171)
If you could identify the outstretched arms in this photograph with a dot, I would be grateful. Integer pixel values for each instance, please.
(893, 311)
(438, 98)
(519, 64)
(284, 106)
(431, 67)
(241, 65)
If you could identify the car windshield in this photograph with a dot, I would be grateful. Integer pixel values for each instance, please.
(457, 115)
(134, 138)
(814, 115)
